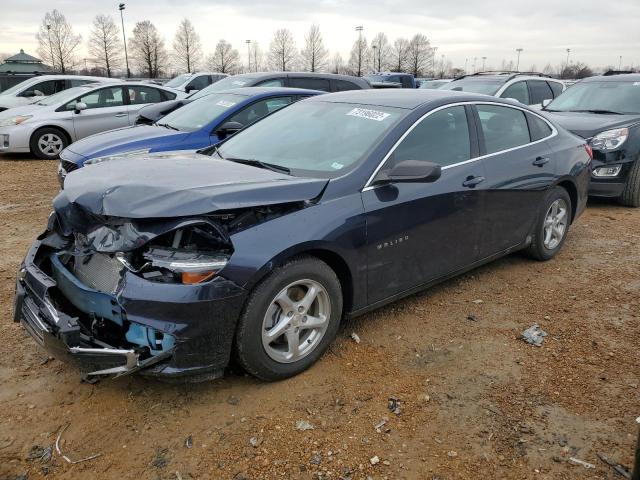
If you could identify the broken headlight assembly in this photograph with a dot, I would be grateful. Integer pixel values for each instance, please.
(117, 156)
(610, 139)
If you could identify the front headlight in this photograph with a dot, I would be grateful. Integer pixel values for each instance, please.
(17, 120)
(188, 266)
(610, 139)
(108, 158)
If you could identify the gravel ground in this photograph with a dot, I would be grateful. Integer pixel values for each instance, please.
(474, 400)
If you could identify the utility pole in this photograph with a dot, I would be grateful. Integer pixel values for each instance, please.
(124, 37)
(359, 30)
(475, 59)
(519, 50)
(248, 42)
(484, 59)
(620, 64)
(466, 61)
(53, 62)
(375, 47)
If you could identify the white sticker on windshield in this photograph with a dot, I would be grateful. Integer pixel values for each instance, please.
(337, 166)
(238, 82)
(368, 114)
(225, 103)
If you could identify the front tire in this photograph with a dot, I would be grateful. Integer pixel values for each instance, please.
(631, 194)
(47, 143)
(552, 225)
(289, 319)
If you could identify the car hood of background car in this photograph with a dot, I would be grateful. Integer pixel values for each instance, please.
(122, 140)
(587, 124)
(178, 186)
(20, 110)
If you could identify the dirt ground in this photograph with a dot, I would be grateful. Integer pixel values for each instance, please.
(475, 401)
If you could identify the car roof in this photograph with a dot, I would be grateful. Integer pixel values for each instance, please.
(504, 77)
(407, 98)
(267, 91)
(335, 76)
(626, 77)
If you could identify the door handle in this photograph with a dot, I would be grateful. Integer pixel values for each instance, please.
(541, 161)
(121, 114)
(471, 182)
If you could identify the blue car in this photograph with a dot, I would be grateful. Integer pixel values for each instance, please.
(199, 124)
(325, 210)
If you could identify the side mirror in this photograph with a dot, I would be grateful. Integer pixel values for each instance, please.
(411, 171)
(80, 106)
(229, 128)
(546, 102)
(38, 93)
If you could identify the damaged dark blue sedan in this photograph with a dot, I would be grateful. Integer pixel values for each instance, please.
(173, 264)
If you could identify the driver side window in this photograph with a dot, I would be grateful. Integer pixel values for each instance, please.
(441, 138)
(105, 97)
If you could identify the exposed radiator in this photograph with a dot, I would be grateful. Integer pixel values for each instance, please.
(99, 271)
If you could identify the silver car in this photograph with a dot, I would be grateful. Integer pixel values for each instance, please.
(36, 88)
(45, 128)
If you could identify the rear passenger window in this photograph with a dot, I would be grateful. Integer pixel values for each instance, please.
(199, 83)
(538, 128)
(540, 90)
(503, 127)
(343, 86)
(518, 91)
(310, 83)
(556, 87)
(141, 95)
(442, 138)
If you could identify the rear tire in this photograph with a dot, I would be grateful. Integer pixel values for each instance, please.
(552, 225)
(48, 142)
(280, 334)
(631, 194)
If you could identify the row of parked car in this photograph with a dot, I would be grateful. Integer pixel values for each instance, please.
(300, 208)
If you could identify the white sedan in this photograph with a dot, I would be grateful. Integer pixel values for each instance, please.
(45, 128)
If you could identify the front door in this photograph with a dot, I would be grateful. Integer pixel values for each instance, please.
(106, 110)
(418, 232)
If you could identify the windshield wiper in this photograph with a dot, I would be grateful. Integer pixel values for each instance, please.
(598, 111)
(259, 164)
(166, 125)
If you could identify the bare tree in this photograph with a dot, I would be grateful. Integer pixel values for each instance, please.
(187, 49)
(420, 54)
(4, 56)
(104, 43)
(548, 69)
(282, 51)
(314, 55)
(147, 49)
(358, 57)
(225, 58)
(57, 42)
(381, 51)
(256, 56)
(400, 52)
(337, 63)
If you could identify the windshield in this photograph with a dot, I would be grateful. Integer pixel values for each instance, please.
(384, 78)
(614, 96)
(224, 84)
(195, 115)
(63, 96)
(485, 87)
(321, 139)
(179, 80)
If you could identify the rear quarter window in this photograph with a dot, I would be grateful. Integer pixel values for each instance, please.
(538, 128)
(503, 127)
(556, 87)
(344, 85)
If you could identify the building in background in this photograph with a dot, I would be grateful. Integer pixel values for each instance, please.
(19, 67)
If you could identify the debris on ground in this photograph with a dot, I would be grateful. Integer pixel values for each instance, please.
(91, 380)
(233, 400)
(255, 442)
(316, 459)
(620, 469)
(577, 461)
(67, 459)
(472, 318)
(452, 454)
(374, 460)
(161, 461)
(188, 442)
(478, 302)
(355, 337)
(40, 453)
(382, 423)
(534, 335)
(303, 425)
(394, 405)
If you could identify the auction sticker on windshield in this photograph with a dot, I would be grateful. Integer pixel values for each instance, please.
(368, 114)
(225, 103)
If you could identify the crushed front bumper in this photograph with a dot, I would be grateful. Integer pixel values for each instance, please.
(202, 345)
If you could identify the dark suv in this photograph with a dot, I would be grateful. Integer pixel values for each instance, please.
(606, 111)
(325, 82)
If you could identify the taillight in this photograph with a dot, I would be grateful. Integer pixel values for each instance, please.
(589, 150)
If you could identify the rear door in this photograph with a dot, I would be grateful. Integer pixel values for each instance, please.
(519, 171)
(106, 110)
(418, 232)
(140, 96)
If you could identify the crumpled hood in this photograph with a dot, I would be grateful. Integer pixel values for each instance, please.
(178, 186)
(587, 124)
(123, 140)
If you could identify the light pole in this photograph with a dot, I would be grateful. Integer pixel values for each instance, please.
(248, 42)
(484, 59)
(475, 59)
(466, 61)
(124, 37)
(519, 50)
(359, 30)
(620, 63)
(53, 63)
(374, 47)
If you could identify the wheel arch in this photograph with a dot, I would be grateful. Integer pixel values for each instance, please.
(572, 190)
(55, 127)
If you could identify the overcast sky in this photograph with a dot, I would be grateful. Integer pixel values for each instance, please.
(597, 32)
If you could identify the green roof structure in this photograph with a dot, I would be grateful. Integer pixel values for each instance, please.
(24, 63)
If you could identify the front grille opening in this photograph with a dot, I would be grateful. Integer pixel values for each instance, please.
(69, 166)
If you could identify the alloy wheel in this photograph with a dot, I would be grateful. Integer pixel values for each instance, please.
(555, 224)
(296, 321)
(50, 144)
